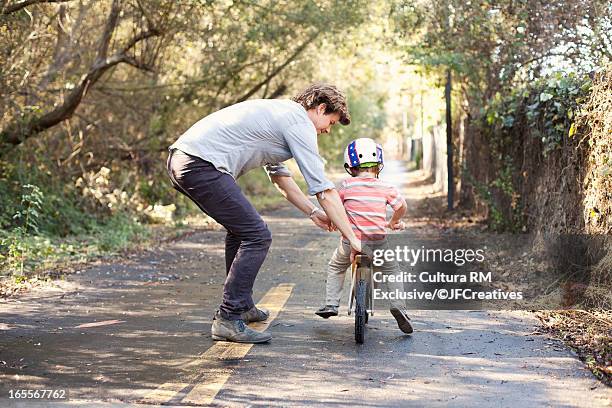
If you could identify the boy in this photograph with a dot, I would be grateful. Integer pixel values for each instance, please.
(365, 199)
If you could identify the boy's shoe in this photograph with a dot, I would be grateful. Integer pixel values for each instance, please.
(327, 311)
(255, 315)
(402, 319)
(236, 331)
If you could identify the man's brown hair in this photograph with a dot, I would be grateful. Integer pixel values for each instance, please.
(332, 97)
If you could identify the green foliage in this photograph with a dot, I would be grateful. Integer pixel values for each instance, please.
(27, 218)
(29, 214)
(495, 194)
(368, 120)
(9, 199)
(55, 208)
(154, 191)
(117, 233)
(249, 49)
(493, 46)
(546, 110)
(39, 212)
(500, 54)
(22, 255)
(109, 157)
(259, 189)
(261, 192)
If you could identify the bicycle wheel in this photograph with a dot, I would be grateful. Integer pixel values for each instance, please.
(360, 311)
(368, 301)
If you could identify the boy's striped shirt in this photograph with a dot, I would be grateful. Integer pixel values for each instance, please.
(365, 200)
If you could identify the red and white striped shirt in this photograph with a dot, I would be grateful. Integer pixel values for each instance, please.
(365, 200)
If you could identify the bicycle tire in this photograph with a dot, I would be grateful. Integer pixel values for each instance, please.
(360, 311)
(368, 301)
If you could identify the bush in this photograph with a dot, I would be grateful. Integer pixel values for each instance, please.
(547, 110)
(527, 134)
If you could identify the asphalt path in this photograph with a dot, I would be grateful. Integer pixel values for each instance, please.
(137, 332)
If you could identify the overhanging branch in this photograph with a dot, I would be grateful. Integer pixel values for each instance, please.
(276, 71)
(19, 130)
(21, 5)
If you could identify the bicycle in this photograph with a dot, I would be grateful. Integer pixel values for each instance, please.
(361, 294)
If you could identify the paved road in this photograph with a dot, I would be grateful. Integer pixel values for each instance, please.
(138, 332)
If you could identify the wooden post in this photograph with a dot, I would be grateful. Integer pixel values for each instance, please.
(449, 141)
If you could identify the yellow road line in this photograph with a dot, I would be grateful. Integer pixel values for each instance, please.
(205, 379)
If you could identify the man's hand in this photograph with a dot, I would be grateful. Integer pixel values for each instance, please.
(321, 220)
(291, 191)
(330, 202)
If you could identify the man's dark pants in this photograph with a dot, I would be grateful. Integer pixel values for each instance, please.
(248, 237)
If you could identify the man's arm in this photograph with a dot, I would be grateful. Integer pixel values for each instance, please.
(291, 191)
(330, 201)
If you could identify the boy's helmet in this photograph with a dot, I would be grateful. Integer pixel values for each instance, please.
(363, 152)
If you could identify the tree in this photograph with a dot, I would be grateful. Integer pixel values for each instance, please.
(73, 49)
(494, 45)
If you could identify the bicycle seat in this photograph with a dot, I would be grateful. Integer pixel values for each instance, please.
(363, 260)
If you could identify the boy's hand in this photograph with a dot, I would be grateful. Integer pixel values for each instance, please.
(321, 220)
(397, 225)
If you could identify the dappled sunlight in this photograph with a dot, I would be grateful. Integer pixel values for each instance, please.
(493, 117)
(459, 356)
(98, 324)
(35, 380)
(213, 248)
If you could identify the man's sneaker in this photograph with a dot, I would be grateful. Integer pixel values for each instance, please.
(402, 319)
(327, 311)
(236, 331)
(255, 315)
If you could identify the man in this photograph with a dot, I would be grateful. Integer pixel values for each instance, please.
(205, 161)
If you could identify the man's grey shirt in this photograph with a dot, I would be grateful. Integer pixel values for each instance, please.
(255, 133)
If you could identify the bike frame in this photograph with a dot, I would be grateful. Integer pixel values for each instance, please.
(362, 268)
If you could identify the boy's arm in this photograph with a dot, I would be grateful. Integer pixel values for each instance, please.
(396, 220)
(291, 191)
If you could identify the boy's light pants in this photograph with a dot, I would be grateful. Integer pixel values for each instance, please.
(341, 261)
